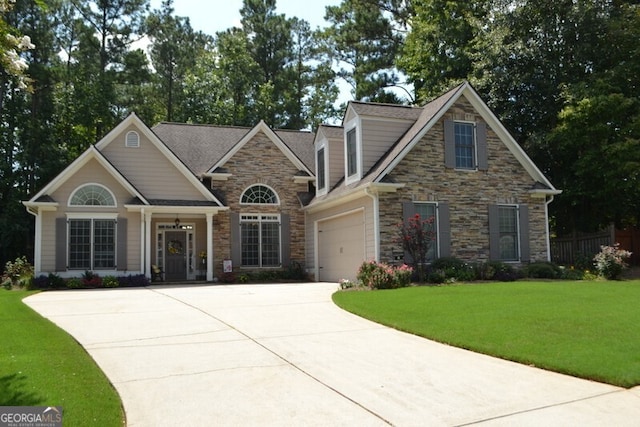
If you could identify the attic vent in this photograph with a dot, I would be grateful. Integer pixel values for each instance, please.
(132, 140)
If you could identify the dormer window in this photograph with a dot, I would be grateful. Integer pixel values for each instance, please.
(132, 140)
(352, 153)
(320, 168)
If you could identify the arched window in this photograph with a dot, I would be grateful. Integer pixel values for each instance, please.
(92, 195)
(132, 140)
(259, 195)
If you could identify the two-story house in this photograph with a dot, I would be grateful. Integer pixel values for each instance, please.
(196, 200)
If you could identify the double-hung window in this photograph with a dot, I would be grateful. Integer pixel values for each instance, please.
(352, 153)
(260, 240)
(509, 232)
(92, 244)
(508, 229)
(464, 135)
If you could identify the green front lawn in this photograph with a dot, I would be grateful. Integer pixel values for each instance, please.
(585, 329)
(43, 366)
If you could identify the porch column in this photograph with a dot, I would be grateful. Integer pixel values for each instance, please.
(142, 240)
(209, 246)
(147, 244)
(37, 250)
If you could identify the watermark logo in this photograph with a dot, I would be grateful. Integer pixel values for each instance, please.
(30, 416)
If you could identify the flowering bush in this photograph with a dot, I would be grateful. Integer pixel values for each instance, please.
(17, 273)
(377, 275)
(611, 261)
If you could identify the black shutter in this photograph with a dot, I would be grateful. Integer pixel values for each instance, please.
(61, 244)
(285, 235)
(121, 260)
(525, 253)
(444, 230)
(236, 245)
(449, 144)
(494, 233)
(481, 140)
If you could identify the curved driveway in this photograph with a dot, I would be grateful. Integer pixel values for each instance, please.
(285, 355)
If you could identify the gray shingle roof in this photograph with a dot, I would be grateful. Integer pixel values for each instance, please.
(392, 111)
(200, 147)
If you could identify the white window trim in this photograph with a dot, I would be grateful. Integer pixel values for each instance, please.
(475, 146)
(244, 217)
(324, 190)
(136, 144)
(518, 248)
(259, 204)
(437, 215)
(92, 215)
(78, 188)
(351, 125)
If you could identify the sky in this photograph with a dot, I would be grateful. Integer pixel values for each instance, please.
(211, 16)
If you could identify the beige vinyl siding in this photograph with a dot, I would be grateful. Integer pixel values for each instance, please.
(149, 170)
(48, 241)
(378, 136)
(92, 172)
(364, 202)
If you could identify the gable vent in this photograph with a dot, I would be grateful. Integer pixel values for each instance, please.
(132, 140)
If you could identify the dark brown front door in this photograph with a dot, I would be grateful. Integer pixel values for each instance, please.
(176, 260)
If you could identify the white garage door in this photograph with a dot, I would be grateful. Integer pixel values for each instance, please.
(340, 247)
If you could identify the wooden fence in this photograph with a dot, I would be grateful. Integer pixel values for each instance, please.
(579, 248)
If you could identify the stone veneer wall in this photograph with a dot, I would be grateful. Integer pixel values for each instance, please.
(468, 193)
(259, 162)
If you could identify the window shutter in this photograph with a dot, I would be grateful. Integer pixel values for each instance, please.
(236, 246)
(494, 233)
(444, 230)
(285, 233)
(525, 253)
(61, 244)
(481, 140)
(121, 260)
(449, 144)
(408, 210)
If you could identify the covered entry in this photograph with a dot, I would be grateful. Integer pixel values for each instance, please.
(341, 247)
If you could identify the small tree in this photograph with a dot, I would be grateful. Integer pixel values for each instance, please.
(416, 235)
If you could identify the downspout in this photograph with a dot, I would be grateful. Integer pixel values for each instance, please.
(376, 222)
(546, 219)
(37, 247)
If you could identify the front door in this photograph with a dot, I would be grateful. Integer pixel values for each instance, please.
(176, 258)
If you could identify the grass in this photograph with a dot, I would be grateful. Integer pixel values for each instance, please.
(43, 366)
(586, 329)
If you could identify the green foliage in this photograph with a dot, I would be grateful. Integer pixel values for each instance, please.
(110, 282)
(18, 273)
(74, 283)
(584, 329)
(542, 270)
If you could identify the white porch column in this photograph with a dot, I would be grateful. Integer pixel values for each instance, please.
(37, 250)
(147, 244)
(142, 240)
(209, 246)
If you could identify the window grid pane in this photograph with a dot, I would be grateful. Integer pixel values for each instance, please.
(428, 210)
(250, 244)
(270, 244)
(259, 194)
(104, 244)
(508, 223)
(92, 195)
(352, 165)
(80, 244)
(465, 153)
(321, 175)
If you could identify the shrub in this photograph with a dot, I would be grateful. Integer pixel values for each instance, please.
(74, 283)
(228, 278)
(294, 271)
(611, 261)
(542, 270)
(375, 275)
(484, 270)
(91, 280)
(346, 284)
(133, 281)
(55, 281)
(454, 269)
(110, 282)
(503, 272)
(18, 273)
(437, 277)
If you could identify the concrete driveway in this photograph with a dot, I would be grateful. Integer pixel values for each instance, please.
(285, 355)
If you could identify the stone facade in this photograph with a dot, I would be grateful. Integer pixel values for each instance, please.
(468, 192)
(259, 161)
